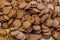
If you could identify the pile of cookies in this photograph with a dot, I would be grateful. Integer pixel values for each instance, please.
(29, 19)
